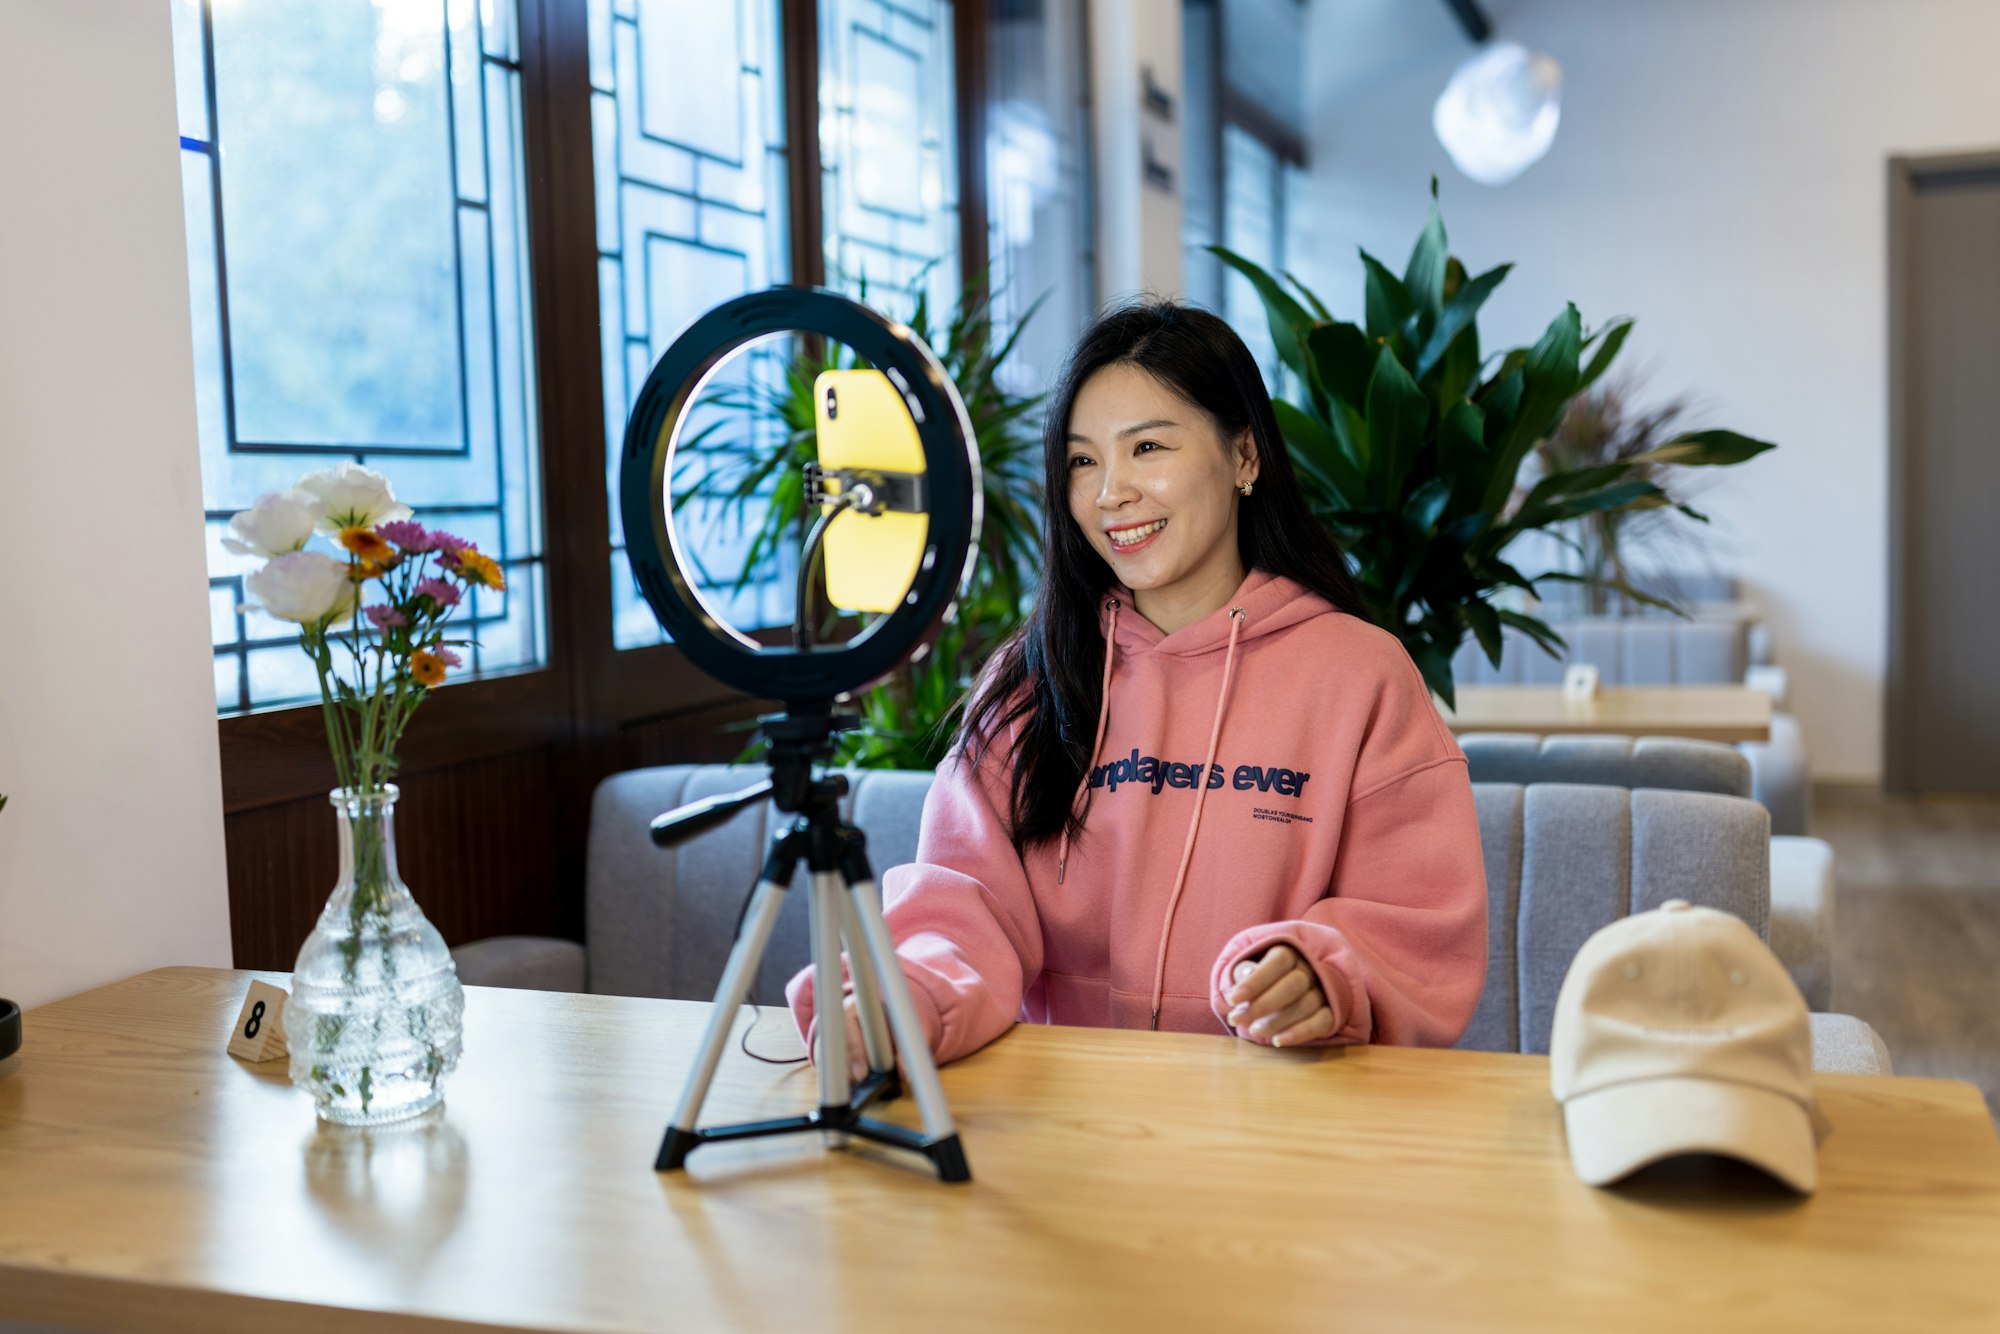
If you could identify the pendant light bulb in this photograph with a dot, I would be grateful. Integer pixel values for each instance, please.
(1498, 115)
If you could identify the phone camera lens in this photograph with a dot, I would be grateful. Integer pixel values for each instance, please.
(832, 404)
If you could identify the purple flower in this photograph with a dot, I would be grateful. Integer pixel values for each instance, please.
(408, 535)
(447, 657)
(441, 591)
(384, 616)
(448, 544)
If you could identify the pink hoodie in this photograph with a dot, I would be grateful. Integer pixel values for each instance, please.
(1336, 817)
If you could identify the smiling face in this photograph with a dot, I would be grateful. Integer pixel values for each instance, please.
(1153, 485)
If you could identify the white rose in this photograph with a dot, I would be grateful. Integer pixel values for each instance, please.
(307, 587)
(280, 521)
(354, 497)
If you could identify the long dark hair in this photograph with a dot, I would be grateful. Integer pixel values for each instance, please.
(1048, 676)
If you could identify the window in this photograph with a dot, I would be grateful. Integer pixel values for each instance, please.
(888, 150)
(358, 266)
(1253, 213)
(692, 170)
(688, 130)
(1245, 148)
(1039, 225)
(1201, 149)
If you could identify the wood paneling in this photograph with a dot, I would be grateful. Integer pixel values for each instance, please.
(970, 58)
(475, 843)
(713, 735)
(478, 842)
(281, 756)
(800, 37)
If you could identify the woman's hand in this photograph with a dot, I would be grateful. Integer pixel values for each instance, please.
(857, 1049)
(1278, 999)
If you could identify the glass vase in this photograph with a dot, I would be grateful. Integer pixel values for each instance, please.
(374, 1018)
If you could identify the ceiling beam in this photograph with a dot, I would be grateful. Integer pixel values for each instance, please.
(1471, 18)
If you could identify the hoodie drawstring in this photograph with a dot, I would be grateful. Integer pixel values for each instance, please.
(1236, 618)
(1103, 713)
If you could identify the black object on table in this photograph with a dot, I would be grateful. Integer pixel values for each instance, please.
(10, 1029)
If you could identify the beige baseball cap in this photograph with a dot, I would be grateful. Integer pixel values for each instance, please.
(1678, 1031)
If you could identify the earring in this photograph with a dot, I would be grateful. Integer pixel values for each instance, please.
(1244, 487)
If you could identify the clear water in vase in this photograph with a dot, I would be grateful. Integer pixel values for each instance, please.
(374, 1019)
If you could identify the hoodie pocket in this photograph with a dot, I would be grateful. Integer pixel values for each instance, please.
(1082, 1002)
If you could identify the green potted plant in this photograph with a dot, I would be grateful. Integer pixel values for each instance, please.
(1410, 441)
(754, 449)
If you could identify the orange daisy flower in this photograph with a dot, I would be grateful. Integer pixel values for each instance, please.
(428, 668)
(367, 544)
(481, 568)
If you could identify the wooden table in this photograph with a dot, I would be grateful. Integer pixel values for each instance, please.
(1122, 1180)
(1700, 713)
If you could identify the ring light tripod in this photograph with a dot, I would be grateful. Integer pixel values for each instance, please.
(845, 903)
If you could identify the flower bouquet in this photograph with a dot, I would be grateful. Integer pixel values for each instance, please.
(374, 1017)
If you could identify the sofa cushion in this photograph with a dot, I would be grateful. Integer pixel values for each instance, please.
(1615, 761)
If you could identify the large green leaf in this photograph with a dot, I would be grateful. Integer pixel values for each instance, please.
(1500, 397)
(1290, 322)
(1384, 298)
(1549, 377)
(1318, 452)
(1537, 509)
(1467, 528)
(1345, 358)
(1485, 623)
(1607, 351)
(1461, 454)
(1626, 495)
(1616, 586)
(1426, 504)
(1540, 631)
(1350, 428)
(1435, 667)
(1493, 570)
(1423, 279)
(1458, 316)
(1700, 449)
(1397, 415)
(1319, 310)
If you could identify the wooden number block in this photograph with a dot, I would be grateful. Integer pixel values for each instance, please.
(259, 1034)
(1580, 681)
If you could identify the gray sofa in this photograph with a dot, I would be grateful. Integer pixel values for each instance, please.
(1641, 651)
(1704, 595)
(1561, 861)
(1802, 884)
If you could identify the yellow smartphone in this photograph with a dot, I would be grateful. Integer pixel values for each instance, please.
(871, 559)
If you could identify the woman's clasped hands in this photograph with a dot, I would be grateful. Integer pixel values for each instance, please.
(1278, 999)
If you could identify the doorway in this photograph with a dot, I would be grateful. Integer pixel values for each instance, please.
(1943, 706)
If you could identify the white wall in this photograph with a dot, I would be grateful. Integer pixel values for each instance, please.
(111, 856)
(1720, 173)
(1138, 225)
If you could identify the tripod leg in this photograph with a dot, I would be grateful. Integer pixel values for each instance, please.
(867, 997)
(835, 1080)
(918, 1067)
(736, 978)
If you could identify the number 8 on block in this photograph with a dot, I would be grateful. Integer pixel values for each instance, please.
(259, 1034)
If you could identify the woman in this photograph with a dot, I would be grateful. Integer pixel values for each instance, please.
(1197, 790)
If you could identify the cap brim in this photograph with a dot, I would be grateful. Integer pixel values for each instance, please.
(1615, 1131)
